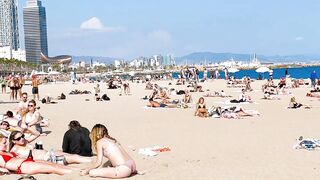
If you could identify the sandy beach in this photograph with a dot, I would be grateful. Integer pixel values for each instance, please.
(259, 147)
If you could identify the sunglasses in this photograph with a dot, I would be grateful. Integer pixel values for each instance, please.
(25, 97)
(19, 138)
(6, 124)
(30, 105)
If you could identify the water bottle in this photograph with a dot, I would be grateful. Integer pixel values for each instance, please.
(30, 157)
(53, 156)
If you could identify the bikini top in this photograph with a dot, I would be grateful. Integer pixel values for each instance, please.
(201, 106)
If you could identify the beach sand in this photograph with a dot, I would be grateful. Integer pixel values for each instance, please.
(258, 147)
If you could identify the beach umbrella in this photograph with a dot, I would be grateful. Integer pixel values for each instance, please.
(262, 69)
(41, 73)
(233, 70)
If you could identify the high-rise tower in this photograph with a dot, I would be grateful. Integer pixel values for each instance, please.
(9, 28)
(35, 31)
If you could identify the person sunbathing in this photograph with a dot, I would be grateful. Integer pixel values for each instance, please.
(11, 119)
(19, 144)
(294, 105)
(234, 112)
(9, 162)
(4, 129)
(32, 120)
(161, 104)
(269, 96)
(216, 94)
(201, 109)
(106, 146)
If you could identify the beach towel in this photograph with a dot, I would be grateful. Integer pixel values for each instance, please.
(228, 102)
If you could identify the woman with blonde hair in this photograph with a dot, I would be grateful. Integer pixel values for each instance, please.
(107, 146)
(32, 120)
(201, 109)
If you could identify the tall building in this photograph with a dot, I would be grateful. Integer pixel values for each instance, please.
(35, 31)
(9, 29)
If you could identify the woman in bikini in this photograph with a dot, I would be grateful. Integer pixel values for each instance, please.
(10, 162)
(19, 144)
(105, 145)
(201, 109)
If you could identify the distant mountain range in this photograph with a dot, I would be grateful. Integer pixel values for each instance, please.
(210, 57)
(87, 59)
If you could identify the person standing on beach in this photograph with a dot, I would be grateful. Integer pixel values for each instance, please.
(3, 83)
(286, 72)
(35, 87)
(313, 77)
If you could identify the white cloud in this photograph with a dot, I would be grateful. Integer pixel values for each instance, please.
(95, 24)
(299, 38)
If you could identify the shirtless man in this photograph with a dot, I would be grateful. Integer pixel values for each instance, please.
(23, 104)
(35, 87)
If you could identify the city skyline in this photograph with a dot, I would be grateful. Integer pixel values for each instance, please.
(128, 29)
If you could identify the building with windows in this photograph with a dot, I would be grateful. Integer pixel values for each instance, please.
(6, 52)
(9, 28)
(35, 31)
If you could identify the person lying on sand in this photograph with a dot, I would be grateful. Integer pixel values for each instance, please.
(216, 94)
(295, 105)
(9, 162)
(162, 104)
(231, 112)
(19, 144)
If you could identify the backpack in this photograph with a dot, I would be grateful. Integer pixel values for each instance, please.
(62, 96)
(105, 97)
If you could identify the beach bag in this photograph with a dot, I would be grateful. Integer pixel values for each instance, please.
(43, 100)
(62, 96)
(105, 97)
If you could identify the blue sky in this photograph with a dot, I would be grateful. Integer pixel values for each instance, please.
(132, 28)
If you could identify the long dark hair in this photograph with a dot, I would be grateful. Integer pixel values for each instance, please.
(11, 138)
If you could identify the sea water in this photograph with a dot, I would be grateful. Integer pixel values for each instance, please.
(297, 73)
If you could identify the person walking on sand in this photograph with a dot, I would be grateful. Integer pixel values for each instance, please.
(313, 77)
(35, 87)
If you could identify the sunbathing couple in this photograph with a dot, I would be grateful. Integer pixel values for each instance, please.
(18, 158)
(225, 112)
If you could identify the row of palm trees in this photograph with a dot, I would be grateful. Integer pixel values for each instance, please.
(13, 65)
